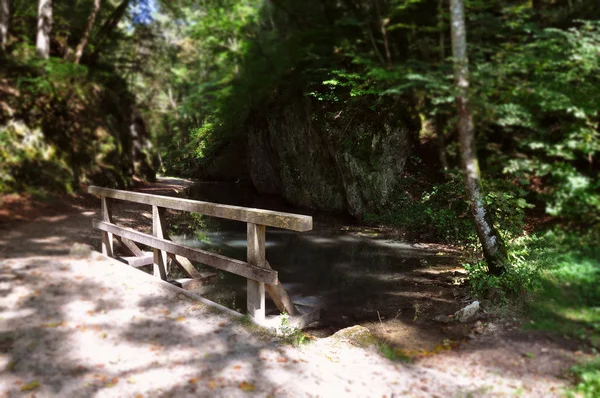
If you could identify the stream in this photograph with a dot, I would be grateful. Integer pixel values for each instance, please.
(353, 274)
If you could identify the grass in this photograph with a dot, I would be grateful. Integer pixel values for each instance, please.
(555, 278)
(554, 275)
(588, 379)
(568, 301)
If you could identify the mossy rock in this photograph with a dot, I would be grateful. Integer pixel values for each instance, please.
(357, 335)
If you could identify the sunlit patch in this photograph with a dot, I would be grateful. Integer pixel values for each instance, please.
(16, 314)
(445, 345)
(51, 239)
(54, 218)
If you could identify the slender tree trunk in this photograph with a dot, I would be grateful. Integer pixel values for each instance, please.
(109, 26)
(86, 33)
(4, 20)
(386, 44)
(44, 27)
(440, 120)
(491, 241)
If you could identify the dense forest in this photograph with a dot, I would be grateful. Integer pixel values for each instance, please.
(342, 106)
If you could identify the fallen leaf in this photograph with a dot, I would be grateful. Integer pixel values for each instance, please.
(221, 324)
(11, 365)
(193, 380)
(53, 324)
(212, 384)
(237, 367)
(30, 386)
(246, 386)
(180, 319)
(282, 359)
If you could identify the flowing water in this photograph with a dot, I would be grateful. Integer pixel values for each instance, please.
(353, 274)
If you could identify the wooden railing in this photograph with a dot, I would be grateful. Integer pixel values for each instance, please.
(256, 269)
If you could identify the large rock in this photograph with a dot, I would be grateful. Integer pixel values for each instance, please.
(349, 160)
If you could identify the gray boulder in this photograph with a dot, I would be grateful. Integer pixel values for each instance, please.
(468, 313)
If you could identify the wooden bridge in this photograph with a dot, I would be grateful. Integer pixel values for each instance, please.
(260, 276)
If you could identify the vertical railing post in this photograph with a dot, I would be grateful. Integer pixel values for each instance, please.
(256, 256)
(158, 230)
(107, 238)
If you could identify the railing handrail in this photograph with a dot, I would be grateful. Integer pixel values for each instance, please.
(260, 276)
(294, 222)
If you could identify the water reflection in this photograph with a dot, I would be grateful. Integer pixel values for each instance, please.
(341, 272)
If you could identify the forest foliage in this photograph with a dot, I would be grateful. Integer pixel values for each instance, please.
(195, 72)
(188, 75)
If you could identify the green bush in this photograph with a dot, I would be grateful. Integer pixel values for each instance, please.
(555, 275)
(588, 378)
(441, 212)
(27, 160)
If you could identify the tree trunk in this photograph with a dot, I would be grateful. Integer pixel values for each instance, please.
(491, 241)
(4, 20)
(386, 44)
(86, 33)
(44, 27)
(109, 26)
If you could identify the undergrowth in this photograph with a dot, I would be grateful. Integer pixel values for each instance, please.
(588, 379)
(440, 212)
(554, 276)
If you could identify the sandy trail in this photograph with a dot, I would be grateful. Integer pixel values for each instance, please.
(94, 327)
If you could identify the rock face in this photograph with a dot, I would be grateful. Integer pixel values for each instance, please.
(349, 160)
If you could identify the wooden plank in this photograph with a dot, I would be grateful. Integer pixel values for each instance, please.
(107, 238)
(185, 265)
(280, 297)
(130, 246)
(256, 257)
(307, 319)
(160, 256)
(139, 261)
(294, 222)
(214, 260)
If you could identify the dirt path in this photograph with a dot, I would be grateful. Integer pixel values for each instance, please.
(93, 327)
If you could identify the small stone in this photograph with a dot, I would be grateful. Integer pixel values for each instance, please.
(492, 328)
(444, 318)
(467, 313)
